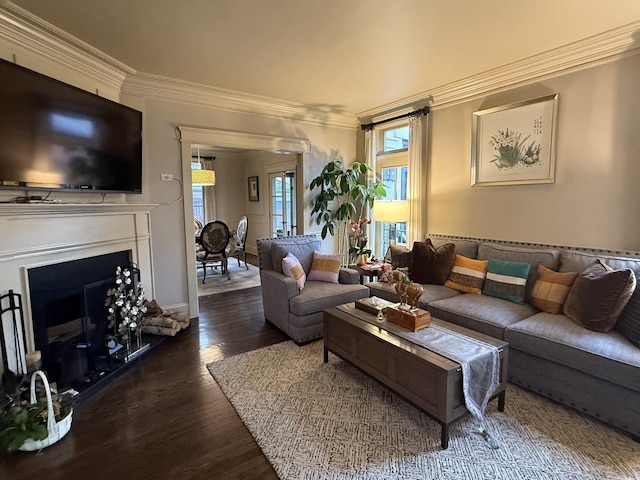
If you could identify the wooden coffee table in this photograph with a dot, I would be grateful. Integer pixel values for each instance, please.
(429, 381)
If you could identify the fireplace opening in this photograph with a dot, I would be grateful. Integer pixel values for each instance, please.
(70, 319)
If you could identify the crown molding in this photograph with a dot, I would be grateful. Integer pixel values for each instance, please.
(595, 50)
(229, 139)
(174, 90)
(31, 33)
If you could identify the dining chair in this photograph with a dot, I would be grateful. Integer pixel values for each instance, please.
(214, 239)
(241, 239)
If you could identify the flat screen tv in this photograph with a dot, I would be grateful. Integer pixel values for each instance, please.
(54, 136)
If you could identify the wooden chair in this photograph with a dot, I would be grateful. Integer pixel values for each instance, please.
(241, 239)
(214, 239)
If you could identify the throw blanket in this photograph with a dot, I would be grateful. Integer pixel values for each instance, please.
(480, 362)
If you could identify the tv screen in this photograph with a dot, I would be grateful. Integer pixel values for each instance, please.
(54, 136)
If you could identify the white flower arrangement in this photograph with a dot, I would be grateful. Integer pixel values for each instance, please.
(125, 302)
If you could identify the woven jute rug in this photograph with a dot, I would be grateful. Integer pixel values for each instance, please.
(330, 421)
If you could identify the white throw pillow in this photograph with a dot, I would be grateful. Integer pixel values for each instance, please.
(292, 268)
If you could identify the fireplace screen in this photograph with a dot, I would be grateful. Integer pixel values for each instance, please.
(70, 319)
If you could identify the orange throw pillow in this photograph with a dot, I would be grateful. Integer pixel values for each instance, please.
(551, 289)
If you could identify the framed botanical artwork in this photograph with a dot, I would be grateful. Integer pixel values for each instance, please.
(515, 144)
(254, 193)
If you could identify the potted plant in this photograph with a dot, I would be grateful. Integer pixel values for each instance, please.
(343, 196)
(25, 425)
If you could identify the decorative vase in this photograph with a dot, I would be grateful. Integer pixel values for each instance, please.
(361, 259)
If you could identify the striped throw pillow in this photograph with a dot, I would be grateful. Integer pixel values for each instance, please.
(292, 268)
(506, 280)
(325, 267)
(551, 289)
(467, 275)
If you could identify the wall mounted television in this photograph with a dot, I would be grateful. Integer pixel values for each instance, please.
(54, 136)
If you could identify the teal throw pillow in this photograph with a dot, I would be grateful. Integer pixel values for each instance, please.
(507, 280)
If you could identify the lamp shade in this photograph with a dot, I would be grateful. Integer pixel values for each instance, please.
(203, 177)
(391, 211)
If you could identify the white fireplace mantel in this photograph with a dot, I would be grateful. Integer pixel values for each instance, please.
(37, 234)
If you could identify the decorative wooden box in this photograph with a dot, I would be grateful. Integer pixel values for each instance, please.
(407, 319)
(373, 305)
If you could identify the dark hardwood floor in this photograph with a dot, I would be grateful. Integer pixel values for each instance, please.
(165, 417)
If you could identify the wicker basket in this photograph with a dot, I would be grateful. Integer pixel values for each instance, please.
(56, 430)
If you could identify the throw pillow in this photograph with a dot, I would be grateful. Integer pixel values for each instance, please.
(551, 289)
(467, 275)
(399, 256)
(301, 247)
(431, 265)
(292, 268)
(599, 295)
(325, 267)
(629, 322)
(506, 280)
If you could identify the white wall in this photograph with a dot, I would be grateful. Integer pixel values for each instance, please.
(595, 198)
(163, 155)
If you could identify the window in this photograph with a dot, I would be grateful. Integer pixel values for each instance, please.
(198, 197)
(392, 168)
(395, 139)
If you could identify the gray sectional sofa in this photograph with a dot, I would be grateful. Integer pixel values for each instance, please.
(550, 354)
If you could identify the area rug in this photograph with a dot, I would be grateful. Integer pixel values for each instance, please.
(241, 278)
(330, 421)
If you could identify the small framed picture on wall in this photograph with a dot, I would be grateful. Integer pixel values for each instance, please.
(254, 192)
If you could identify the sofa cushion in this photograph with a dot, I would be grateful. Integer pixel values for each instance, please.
(430, 294)
(557, 338)
(399, 256)
(488, 315)
(467, 275)
(468, 248)
(577, 261)
(629, 322)
(302, 247)
(599, 295)
(431, 265)
(325, 267)
(549, 257)
(551, 289)
(506, 280)
(316, 296)
(292, 268)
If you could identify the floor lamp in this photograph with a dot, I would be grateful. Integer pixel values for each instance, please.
(391, 212)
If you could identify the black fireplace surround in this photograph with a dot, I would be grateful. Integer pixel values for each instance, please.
(70, 320)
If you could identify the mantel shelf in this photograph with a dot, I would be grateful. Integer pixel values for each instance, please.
(12, 209)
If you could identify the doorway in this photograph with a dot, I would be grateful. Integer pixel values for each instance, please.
(282, 204)
(191, 137)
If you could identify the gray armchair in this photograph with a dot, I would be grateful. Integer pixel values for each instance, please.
(299, 313)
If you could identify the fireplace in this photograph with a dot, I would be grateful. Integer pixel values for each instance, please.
(70, 325)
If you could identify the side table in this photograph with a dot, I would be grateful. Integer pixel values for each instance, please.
(365, 273)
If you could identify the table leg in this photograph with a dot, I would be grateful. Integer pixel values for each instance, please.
(502, 400)
(326, 354)
(444, 439)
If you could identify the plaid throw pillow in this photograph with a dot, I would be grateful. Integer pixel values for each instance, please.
(325, 267)
(551, 289)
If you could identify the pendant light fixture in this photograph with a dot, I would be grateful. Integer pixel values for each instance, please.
(201, 176)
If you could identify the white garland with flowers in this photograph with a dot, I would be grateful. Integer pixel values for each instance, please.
(125, 304)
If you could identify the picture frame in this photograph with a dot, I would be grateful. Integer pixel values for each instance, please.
(515, 144)
(253, 187)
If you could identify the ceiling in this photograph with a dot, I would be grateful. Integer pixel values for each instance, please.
(339, 55)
